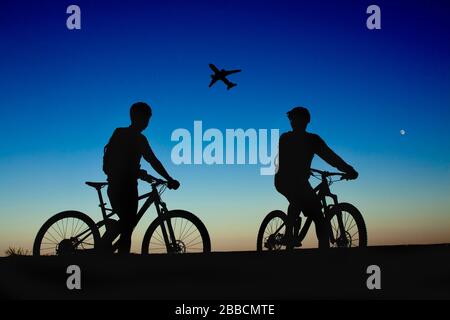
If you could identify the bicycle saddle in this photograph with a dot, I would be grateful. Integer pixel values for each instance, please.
(96, 185)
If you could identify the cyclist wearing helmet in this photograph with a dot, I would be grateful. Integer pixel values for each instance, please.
(296, 151)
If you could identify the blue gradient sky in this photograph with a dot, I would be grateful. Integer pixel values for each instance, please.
(63, 92)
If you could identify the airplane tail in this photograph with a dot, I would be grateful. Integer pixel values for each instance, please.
(231, 85)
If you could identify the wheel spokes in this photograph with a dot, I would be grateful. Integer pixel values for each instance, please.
(347, 239)
(187, 237)
(64, 235)
(270, 234)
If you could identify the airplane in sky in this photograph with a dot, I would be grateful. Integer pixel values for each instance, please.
(222, 75)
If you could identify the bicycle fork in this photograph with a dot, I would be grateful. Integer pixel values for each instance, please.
(169, 237)
(323, 192)
(341, 240)
(341, 237)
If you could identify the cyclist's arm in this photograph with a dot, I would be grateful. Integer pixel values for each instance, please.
(328, 155)
(150, 157)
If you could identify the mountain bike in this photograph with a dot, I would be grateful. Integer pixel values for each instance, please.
(346, 226)
(174, 231)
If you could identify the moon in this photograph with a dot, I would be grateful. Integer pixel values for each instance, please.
(402, 132)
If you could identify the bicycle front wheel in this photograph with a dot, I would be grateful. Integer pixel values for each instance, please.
(354, 232)
(190, 233)
(65, 233)
(272, 231)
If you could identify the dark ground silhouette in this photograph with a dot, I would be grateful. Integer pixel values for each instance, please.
(407, 272)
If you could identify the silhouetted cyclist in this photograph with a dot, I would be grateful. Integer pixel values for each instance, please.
(121, 163)
(296, 151)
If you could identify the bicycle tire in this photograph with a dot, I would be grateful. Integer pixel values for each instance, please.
(276, 214)
(176, 214)
(58, 217)
(357, 217)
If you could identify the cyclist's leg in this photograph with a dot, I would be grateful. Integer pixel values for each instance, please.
(128, 219)
(290, 191)
(124, 200)
(292, 214)
(293, 210)
(313, 208)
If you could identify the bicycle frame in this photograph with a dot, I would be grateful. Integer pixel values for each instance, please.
(323, 191)
(152, 197)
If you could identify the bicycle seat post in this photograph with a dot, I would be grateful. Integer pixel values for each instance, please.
(102, 204)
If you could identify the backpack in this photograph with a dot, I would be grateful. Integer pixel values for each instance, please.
(107, 159)
(119, 156)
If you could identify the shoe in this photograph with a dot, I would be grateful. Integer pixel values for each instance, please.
(297, 243)
(282, 241)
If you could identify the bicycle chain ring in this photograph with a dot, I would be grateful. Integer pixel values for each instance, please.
(274, 241)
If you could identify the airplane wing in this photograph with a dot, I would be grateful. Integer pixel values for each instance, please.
(214, 80)
(227, 73)
(226, 81)
(214, 68)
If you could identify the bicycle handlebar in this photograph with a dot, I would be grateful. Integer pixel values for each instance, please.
(144, 176)
(328, 174)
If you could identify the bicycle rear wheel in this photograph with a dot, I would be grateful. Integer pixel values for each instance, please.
(354, 226)
(190, 234)
(65, 233)
(271, 232)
